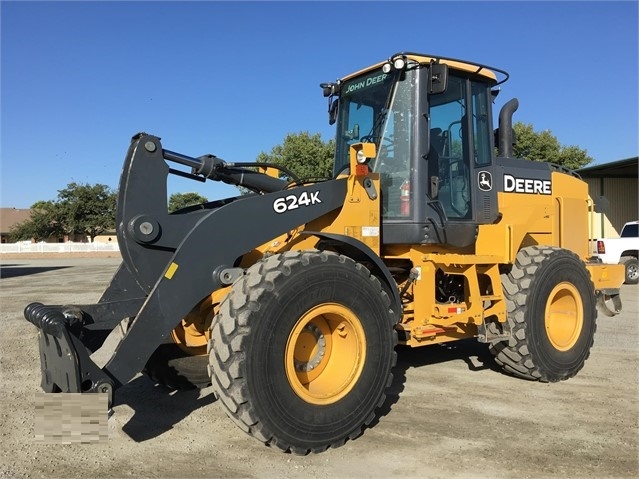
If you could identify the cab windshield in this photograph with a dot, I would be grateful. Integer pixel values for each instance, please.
(376, 108)
(364, 103)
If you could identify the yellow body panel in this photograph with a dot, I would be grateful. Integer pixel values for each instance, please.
(606, 276)
(359, 218)
(559, 219)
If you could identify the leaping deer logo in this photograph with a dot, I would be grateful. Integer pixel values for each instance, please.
(485, 181)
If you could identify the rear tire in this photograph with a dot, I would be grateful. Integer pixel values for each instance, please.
(302, 350)
(551, 310)
(632, 269)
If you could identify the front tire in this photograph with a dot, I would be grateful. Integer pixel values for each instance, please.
(302, 350)
(552, 315)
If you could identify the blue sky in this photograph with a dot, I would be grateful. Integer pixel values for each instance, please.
(79, 79)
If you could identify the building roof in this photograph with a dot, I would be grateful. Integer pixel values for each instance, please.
(12, 216)
(627, 168)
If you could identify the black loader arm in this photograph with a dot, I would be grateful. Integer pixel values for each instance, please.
(170, 262)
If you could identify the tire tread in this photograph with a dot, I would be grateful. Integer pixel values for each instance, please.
(230, 329)
(515, 355)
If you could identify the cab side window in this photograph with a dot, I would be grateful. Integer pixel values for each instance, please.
(448, 119)
(482, 154)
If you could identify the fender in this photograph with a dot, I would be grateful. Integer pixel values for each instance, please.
(353, 248)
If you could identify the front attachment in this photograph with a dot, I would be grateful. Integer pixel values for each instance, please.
(66, 365)
(170, 262)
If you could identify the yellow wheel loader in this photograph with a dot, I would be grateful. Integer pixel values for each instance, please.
(290, 300)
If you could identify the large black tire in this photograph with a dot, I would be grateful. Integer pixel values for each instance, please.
(170, 366)
(632, 269)
(552, 315)
(302, 350)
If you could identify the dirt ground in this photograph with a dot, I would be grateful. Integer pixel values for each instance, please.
(451, 414)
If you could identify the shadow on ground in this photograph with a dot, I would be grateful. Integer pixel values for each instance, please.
(475, 354)
(16, 270)
(157, 408)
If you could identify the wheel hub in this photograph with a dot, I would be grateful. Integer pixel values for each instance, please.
(319, 351)
(564, 316)
(633, 272)
(325, 354)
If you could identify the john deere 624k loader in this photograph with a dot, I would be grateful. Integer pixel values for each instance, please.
(291, 300)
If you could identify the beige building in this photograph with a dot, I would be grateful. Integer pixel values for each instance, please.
(10, 217)
(617, 182)
(109, 237)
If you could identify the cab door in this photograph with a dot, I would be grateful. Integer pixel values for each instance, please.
(482, 153)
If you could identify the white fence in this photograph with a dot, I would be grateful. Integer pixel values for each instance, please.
(25, 247)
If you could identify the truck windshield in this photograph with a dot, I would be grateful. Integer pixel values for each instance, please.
(363, 109)
(631, 230)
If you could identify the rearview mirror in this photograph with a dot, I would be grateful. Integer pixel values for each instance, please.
(332, 111)
(437, 78)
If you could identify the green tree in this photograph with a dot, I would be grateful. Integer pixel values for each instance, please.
(304, 154)
(44, 223)
(178, 201)
(87, 210)
(544, 146)
(83, 209)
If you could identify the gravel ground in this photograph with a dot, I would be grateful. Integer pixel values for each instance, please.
(451, 413)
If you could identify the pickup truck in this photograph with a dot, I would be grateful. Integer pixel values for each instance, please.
(623, 250)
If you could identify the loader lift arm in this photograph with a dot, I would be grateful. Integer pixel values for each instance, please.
(170, 262)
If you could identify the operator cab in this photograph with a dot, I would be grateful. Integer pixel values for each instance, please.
(430, 119)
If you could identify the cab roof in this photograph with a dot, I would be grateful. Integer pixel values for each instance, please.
(487, 72)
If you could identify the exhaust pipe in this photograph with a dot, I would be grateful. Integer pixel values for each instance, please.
(506, 128)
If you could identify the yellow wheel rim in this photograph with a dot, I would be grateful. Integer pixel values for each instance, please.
(325, 354)
(564, 316)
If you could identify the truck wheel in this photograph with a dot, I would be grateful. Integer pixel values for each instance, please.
(302, 350)
(632, 269)
(551, 311)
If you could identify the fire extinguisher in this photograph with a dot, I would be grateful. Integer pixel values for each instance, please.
(404, 199)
